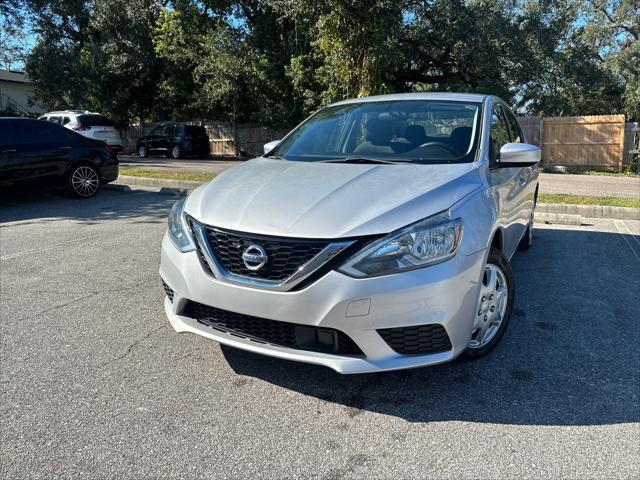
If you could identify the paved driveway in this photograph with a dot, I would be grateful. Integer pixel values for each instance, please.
(592, 185)
(190, 165)
(604, 186)
(94, 383)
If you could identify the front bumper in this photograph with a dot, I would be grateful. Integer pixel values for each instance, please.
(444, 294)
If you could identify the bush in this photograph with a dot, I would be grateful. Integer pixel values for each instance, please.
(9, 112)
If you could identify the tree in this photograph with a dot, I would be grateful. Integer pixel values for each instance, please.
(13, 46)
(276, 61)
(95, 56)
(613, 28)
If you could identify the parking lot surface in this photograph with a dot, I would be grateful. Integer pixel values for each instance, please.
(94, 382)
(590, 185)
(186, 165)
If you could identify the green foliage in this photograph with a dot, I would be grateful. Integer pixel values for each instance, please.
(275, 61)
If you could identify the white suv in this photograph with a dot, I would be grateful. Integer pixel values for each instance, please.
(88, 124)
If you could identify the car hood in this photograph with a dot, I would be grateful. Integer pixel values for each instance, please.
(328, 200)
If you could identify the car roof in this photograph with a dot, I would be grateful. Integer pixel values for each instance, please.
(457, 97)
(74, 112)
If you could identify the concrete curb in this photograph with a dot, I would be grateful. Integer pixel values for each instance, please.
(558, 211)
(156, 182)
(589, 211)
(558, 218)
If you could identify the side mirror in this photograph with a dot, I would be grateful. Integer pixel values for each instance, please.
(519, 155)
(271, 145)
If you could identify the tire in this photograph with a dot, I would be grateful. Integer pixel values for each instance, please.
(83, 181)
(487, 307)
(527, 239)
(142, 151)
(175, 152)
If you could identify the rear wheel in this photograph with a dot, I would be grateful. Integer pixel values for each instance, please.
(142, 151)
(176, 152)
(495, 303)
(83, 181)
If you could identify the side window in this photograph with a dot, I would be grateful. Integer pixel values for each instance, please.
(514, 127)
(65, 120)
(7, 135)
(158, 131)
(499, 132)
(40, 132)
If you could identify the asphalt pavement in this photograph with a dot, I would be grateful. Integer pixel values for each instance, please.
(590, 185)
(187, 165)
(95, 383)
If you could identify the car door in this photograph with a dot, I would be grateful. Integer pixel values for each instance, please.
(43, 152)
(527, 176)
(505, 182)
(8, 150)
(169, 140)
(155, 139)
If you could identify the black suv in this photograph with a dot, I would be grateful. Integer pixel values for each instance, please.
(35, 153)
(175, 140)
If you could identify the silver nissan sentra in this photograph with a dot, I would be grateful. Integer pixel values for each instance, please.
(375, 236)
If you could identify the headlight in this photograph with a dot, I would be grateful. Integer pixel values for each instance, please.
(178, 228)
(427, 242)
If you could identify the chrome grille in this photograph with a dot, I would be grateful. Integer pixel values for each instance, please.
(286, 256)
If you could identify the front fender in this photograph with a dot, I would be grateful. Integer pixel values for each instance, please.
(479, 213)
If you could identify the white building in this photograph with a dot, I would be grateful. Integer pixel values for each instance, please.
(16, 92)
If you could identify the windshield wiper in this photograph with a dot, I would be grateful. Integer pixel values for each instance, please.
(361, 160)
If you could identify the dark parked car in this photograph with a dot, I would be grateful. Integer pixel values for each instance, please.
(35, 153)
(175, 140)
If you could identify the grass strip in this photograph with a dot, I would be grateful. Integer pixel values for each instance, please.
(586, 200)
(168, 175)
(543, 197)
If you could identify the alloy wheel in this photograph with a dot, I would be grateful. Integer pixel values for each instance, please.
(142, 152)
(492, 306)
(85, 181)
(175, 152)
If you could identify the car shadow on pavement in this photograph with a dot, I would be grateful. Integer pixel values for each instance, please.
(136, 206)
(570, 356)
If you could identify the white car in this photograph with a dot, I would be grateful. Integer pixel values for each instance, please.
(375, 236)
(87, 124)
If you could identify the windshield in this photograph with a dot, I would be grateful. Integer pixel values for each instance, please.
(417, 131)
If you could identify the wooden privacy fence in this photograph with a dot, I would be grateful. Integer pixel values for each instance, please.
(595, 142)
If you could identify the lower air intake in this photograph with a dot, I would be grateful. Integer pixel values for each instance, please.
(262, 330)
(421, 339)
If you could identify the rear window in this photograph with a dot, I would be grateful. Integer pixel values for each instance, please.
(95, 121)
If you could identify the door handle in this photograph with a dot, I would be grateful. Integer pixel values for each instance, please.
(11, 150)
(64, 149)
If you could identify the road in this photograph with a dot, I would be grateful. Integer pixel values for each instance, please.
(590, 185)
(96, 384)
(602, 186)
(188, 165)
